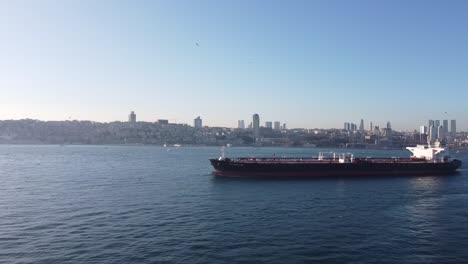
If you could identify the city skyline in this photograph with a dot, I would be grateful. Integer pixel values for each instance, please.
(309, 64)
(351, 126)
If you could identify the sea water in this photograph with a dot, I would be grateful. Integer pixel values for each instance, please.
(147, 204)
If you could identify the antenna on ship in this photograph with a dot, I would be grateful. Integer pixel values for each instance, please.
(223, 148)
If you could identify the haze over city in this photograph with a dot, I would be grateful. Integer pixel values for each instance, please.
(305, 64)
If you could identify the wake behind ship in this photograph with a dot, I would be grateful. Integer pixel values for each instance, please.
(426, 160)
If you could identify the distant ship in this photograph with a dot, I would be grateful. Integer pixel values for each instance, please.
(426, 160)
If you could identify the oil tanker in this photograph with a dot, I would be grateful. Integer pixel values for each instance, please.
(425, 160)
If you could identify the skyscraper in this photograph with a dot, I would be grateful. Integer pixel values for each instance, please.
(256, 125)
(453, 127)
(240, 124)
(277, 125)
(371, 128)
(132, 117)
(441, 132)
(346, 126)
(432, 134)
(361, 126)
(197, 122)
(446, 127)
(423, 134)
(389, 126)
(268, 124)
(431, 123)
(437, 124)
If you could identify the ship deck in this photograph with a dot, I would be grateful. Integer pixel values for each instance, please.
(326, 160)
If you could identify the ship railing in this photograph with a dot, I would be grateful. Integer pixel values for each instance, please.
(283, 160)
(327, 155)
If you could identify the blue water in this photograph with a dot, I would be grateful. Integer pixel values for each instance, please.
(142, 204)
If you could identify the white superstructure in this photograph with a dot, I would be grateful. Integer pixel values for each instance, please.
(426, 151)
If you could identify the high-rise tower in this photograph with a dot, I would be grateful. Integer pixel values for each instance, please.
(132, 117)
(256, 125)
(241, 124)
(277, 125)
(361, 126)
(453, 127)
(197, 122)
(446, 126)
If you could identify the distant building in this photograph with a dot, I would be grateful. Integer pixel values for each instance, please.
(389, 126)
(241, 124)
(256, 125)
(437, 124)
(371, 128)
(277, 125)
(376, 130)
(163, 121)
(361, 125)
(197, 122)
(431, 123)
(132, 117)
(441, 132)
(432, 134)
(284, 126)
(446, 126)
(423, 130)
(268, 124)
(346, 126)
(350, 126)
(423, 136)
(453, 127)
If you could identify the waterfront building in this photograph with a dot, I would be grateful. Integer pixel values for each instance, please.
(277, 125)
(197, 122)
(132, 117)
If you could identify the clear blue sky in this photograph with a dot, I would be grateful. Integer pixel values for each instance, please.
(307, 63)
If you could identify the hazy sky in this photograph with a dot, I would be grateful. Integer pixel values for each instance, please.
(307, 63)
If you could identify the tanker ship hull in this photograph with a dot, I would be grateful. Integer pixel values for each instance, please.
(298, 167)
